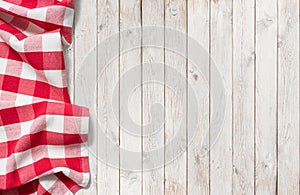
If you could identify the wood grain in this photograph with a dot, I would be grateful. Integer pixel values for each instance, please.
(130, 18)
(108, 77)
(243, 96)
(266, 100)
(153, 94)
(288, 97)
(255, 47)
(221, 57)
(198, 148)
(175, 100)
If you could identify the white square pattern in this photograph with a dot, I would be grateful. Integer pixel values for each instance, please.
(56, 151)
(84, 125)
(3, 137)
(55, 123)
(3, 64)
(68, 17)
(51, 42)
(37, 14)
(48, 181)
(23, 158)
(3, 163)
(28, 72)
(16, 44)
(5, 5)
(54, 77)
(22, 100)
(25, 127)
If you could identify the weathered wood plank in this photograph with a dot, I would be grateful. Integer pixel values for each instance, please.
(153, 94)
(175, 100)
(198, 79)
(243, 96)
(108, 77)
(131, 108)
(248, 139)
(221, 57)
(85, 42)
(288, 97)
(266, 97)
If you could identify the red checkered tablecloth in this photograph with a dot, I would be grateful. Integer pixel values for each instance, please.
(42, 135)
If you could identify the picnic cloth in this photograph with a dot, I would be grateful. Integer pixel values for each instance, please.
(43, 137)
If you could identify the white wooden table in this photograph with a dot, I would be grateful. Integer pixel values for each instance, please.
(255, 47)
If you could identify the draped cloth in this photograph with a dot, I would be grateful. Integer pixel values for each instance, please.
(43, 137)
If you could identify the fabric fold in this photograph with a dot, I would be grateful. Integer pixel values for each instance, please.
(43, 136)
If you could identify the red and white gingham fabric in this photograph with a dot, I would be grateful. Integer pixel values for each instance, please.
(42, 135)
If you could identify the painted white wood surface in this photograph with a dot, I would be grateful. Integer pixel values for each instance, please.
(266, 100)
(175, 100)
(108, 77)
(153, 94)
(221, 150)
(255, 47)
(198, 155)
(288, 97)
(243, 96)
(130, 17)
